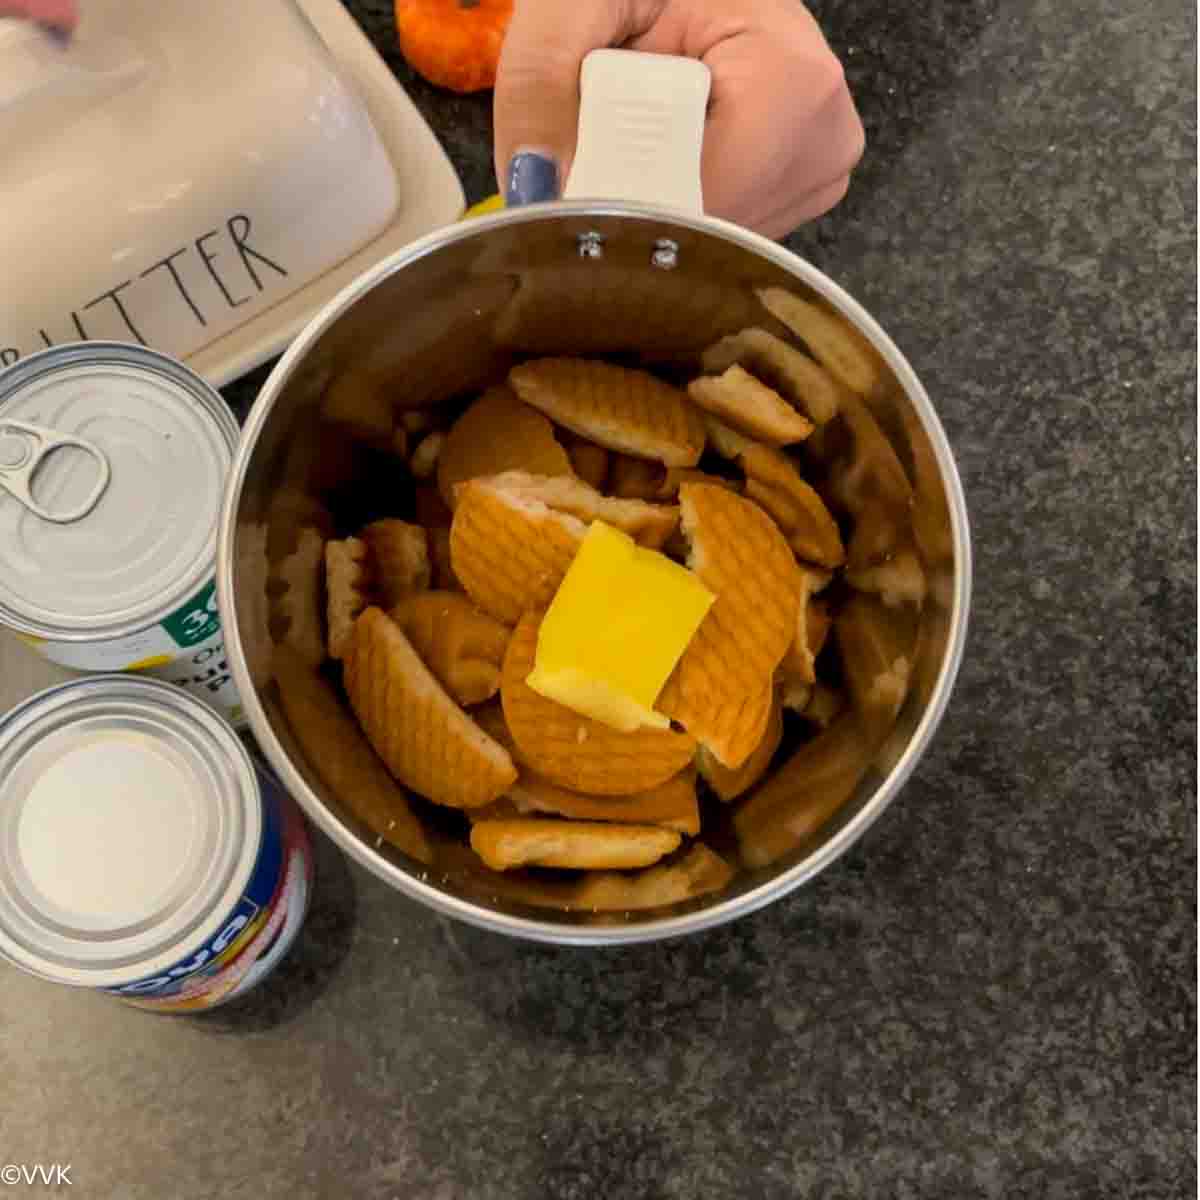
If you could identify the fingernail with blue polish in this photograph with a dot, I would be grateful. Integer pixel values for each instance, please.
(532, 177)
(60, 35)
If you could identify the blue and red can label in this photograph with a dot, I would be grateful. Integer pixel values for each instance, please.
(259, 929)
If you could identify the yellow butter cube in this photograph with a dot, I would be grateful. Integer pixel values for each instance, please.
(619, 622)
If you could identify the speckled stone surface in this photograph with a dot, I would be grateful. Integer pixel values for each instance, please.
(993, 994)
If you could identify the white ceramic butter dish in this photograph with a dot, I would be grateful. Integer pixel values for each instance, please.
(202, 178)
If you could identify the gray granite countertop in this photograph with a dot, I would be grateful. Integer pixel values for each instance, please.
(993, 994)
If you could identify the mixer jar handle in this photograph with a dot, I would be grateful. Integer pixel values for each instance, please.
(641, 129)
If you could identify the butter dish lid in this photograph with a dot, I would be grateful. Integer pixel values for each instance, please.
(242, 163)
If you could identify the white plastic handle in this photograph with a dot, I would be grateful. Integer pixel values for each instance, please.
(641, 129)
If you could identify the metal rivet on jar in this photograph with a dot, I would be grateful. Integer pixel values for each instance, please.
(666, 254)
(591, 245)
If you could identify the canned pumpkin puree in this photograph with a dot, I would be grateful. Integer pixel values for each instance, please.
(113, 460)
(143, 853)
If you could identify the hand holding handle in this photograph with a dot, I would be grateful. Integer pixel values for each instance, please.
(641, 129)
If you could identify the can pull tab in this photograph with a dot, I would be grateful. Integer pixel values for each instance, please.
(23, 449)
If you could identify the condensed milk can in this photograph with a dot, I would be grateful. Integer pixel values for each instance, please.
(143, 851)
(112, 463)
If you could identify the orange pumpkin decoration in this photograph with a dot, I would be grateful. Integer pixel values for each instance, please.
(454, 44)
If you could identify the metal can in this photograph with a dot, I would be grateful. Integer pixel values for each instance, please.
(143, 852)
(113, 461)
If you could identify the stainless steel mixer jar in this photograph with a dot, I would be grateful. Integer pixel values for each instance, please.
(652, 283)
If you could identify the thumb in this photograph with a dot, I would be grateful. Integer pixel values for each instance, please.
(62, 15)
(536, 101)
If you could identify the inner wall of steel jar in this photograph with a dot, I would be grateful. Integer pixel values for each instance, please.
(448, 319)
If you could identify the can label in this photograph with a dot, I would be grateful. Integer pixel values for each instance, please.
(259, 929)
(186, 648)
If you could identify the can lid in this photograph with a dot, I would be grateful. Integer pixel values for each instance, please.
(149, 541)
(129, 824)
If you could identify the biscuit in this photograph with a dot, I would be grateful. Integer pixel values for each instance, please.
(337, 752)
(499, 810)
(876, 645)
(510, 553)
(899, 580)
(824, 705)
(879, 531)
(444, 578)
(424, 460)
(347, 589)
(774, 484)
(729, 785)
(869, 472)
(361, 406)
(427, 742)
(463, 647)
(399, 558)
(720, 689)
(499, 433)
(844, 352)
(616, 407)
(575, 751)
(796, 694)
(490, 718)
(697, 871)
(729, 724)
(579, 845)
(800, 380)
(637, 478)
(299, 604)
(588, 461)
(863, 477)
(818, 622)
(677, 476)
(672, 804)
(430, 510)
(727, 442)
(649, 525)
(802, 794)
(812, 628)
(748, 405)
(416, 421)
(676, 547)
